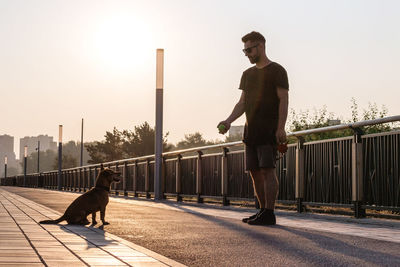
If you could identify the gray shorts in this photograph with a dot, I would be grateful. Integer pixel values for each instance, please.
(262, 156)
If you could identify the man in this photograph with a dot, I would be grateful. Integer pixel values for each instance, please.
(264, 100)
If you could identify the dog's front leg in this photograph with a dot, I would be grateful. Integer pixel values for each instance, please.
(94, 218)
(102, 215)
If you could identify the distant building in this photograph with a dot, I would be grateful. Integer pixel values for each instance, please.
(236, 130)
(46, 143)
(333, 122)
(7, 150)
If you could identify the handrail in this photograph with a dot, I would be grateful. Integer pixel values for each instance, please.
(353, 125)
(237, 143)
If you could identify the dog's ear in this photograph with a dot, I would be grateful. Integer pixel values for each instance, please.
(101, 167)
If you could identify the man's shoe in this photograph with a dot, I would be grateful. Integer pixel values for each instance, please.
(252, 217)
(245, 220)
(264, 218)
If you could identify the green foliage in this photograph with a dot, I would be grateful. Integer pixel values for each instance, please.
(68, 161)
(321, 118)
(193, 140)
(125, 144)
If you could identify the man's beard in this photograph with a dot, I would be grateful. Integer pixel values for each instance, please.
(254, 59)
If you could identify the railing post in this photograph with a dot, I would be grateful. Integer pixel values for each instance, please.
(84, 179)
(357, 174)
(199, 177)
(114, 185)
(147, 180)
(79, 180)
(178, 186)
(300, 174)
(94, 176)
(134, 182)
(224, 177)
(125, 177)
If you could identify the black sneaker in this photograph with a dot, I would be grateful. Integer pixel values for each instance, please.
(252, 217)
(264, 218)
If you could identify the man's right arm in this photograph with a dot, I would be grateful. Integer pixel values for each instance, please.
(238, 111)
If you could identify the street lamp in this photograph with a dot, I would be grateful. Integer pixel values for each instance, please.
(59, 156)
(25, 161)
(38, 156)
(5, 166)
(159, 122)
(81, 161)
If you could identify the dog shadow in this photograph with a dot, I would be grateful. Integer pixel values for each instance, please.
(90, 236)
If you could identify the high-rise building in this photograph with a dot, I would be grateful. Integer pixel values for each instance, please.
(46, 143)
(7, 150)
(236, 130)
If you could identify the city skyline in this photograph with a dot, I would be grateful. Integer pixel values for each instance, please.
(63, 61)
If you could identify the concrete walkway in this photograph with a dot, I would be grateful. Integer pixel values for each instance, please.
(24, 242)
(191, 233)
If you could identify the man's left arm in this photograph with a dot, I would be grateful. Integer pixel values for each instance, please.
(283, 95)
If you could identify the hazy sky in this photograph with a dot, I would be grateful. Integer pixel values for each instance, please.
(61, 61)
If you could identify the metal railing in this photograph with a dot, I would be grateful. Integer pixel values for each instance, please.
(359, 172)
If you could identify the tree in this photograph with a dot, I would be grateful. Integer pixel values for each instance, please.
(192, 140)
(108, 150)
(321, 118)
(125, 144)
(68, 161)
(141, 141)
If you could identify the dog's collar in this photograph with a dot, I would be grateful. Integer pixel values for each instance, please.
(103, 187)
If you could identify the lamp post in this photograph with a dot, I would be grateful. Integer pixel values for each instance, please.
(59, 186)
(25, 161)
(38, 156)
(5, 167)
(81, 162)
(159, 121)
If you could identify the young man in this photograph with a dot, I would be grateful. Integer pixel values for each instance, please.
(264, 100)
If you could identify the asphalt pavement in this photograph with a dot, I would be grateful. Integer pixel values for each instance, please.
(209, 235)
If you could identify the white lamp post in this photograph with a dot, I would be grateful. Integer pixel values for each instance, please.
(158, 194)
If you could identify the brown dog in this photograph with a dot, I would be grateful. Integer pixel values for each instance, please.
(96, 199)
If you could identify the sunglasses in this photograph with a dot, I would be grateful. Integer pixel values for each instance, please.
(249, 49)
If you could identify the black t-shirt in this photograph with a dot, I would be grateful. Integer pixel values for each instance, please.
(262, 102)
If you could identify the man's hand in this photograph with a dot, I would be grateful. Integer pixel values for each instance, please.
(225, 128)
(280, 136)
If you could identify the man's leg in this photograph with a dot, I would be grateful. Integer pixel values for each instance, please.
(271, 187)
(258, 185)
(259, 188)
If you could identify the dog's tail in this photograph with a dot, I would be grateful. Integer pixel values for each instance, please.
(62, 218)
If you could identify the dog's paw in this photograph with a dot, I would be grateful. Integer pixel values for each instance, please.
(94, 222)
(106, 223)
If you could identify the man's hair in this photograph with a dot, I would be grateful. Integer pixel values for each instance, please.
(253, 37)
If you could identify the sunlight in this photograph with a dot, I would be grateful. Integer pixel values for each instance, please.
(123, 43)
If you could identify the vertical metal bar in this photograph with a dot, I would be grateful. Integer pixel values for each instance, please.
(146, 180)
(199, 177)
(178, 176)
(357, 174)
(224, 177)
(125, 177)
(134, 182)
(59, 185)
(300, 174)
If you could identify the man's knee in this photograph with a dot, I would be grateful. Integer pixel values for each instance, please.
(267, 172)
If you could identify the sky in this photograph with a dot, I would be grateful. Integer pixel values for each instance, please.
(61, 61)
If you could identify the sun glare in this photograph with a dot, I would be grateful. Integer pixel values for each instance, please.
(123, 43)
